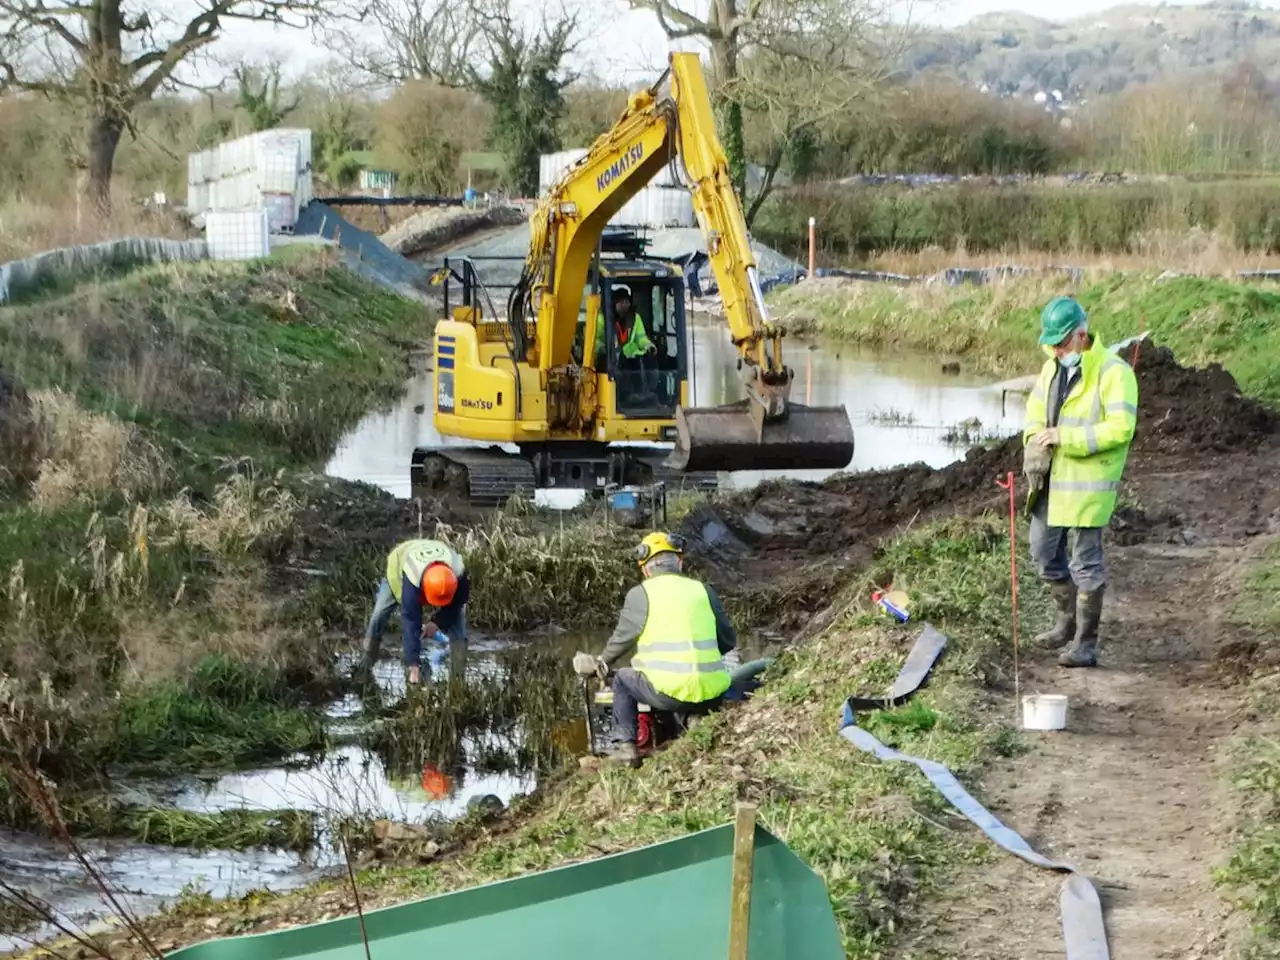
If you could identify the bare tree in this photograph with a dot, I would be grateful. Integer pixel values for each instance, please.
(413, 40)
(108, 57)
(523, 79)
(259, 95)
(767, 53)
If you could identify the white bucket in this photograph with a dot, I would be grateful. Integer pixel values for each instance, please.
(1044, 711)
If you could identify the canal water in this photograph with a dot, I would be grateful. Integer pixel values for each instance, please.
(903, 407)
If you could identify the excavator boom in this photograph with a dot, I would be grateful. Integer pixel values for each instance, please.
(766, 431)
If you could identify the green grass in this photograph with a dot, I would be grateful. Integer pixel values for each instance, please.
(274, 360)
(1252, 872)
(225, 713)
(878, 833)
(1201, 319)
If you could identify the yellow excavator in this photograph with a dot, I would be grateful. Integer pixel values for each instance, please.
(581, 413)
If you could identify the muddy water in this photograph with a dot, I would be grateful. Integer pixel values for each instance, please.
(348, 781)
(901, 405)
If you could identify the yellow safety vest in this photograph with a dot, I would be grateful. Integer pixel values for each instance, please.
(412, 558)
(677, 648)
(632, 344)
(1095, 427)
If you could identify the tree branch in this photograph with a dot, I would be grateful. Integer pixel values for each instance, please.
(676, 23)
(36, 14)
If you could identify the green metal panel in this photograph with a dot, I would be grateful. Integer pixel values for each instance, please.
(669, 901)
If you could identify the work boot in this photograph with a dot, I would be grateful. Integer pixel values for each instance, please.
(1083, 652)
(1064, 628)
(624, 753)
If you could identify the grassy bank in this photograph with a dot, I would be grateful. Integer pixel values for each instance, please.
(160, 424)
(995, 326)
(1252, 874)
(878, 834)
(854, 222)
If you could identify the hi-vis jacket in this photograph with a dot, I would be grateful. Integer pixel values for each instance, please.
(679, 632)
(633, 342)
(1095, 425)
(410, 559)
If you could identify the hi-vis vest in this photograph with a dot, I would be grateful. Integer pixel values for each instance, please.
(677, 648)
(633, 344)
(414, 556)
(1095, 427)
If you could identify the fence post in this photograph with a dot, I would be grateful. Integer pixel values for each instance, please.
(813, 235)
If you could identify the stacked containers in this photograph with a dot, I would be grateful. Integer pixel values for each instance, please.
(268, 171)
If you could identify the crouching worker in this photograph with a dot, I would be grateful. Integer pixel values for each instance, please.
(423, 577)
(679, 631)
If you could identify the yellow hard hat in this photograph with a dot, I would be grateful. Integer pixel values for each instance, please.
(656, 543)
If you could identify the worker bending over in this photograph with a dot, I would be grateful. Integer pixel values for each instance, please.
(679, 632)
(1080, 420)
(422, 574)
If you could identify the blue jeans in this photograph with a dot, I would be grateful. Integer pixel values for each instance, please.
(1084, 563)
(384, 605)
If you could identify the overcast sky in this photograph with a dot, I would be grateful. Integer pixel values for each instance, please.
(630, 46)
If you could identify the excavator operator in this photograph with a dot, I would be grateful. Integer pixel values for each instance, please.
(680, 634)
(633, 340)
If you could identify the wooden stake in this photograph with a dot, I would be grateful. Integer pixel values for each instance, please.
(744, 849)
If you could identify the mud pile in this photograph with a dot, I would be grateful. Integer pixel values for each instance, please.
(1184, 410)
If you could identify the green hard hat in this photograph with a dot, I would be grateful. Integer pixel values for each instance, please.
(1060, 316)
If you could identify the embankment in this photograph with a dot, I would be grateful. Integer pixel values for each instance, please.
(808, 555)
(994, 327)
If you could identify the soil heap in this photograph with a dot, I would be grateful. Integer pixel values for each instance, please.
(1185, 411)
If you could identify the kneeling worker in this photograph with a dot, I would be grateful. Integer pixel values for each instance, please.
(679, 632)
(422, 573)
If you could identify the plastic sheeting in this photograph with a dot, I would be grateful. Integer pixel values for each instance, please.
(1082, 925)
(20, 276)
(318, 219)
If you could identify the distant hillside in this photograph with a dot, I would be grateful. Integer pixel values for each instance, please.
(1013, 53)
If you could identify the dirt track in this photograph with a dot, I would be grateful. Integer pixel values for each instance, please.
(1134, 793)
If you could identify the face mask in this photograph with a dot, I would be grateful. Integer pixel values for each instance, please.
(1070, 360)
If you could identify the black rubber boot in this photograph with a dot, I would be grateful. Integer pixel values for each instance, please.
(1083, 652)
(1064, 628)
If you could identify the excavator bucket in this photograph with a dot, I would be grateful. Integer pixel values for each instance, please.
(725, 438)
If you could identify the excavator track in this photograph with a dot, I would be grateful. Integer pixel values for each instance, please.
(486, 477)
(491, 476)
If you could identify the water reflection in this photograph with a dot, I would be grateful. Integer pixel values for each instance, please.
(872, 386)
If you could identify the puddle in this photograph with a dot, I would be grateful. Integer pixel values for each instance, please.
(874, 387)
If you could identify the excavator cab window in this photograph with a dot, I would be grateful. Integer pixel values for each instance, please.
(647, 363)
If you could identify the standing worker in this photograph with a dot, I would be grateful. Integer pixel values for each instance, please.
(680, 634)
(422, 574)
(1080, 420)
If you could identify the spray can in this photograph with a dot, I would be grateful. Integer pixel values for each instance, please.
(893, 602)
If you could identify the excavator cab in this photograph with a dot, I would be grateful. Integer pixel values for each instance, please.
(644, 343)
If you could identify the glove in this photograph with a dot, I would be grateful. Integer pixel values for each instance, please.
(1036, 462)
(584, 664)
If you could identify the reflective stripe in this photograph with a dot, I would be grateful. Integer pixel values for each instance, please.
(1091, 439)
(680, 646)
(1075, 422)
(673, 666)
(1122, 407)
(1083, 486)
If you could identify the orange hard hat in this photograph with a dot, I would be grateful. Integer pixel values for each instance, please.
(439, 585)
